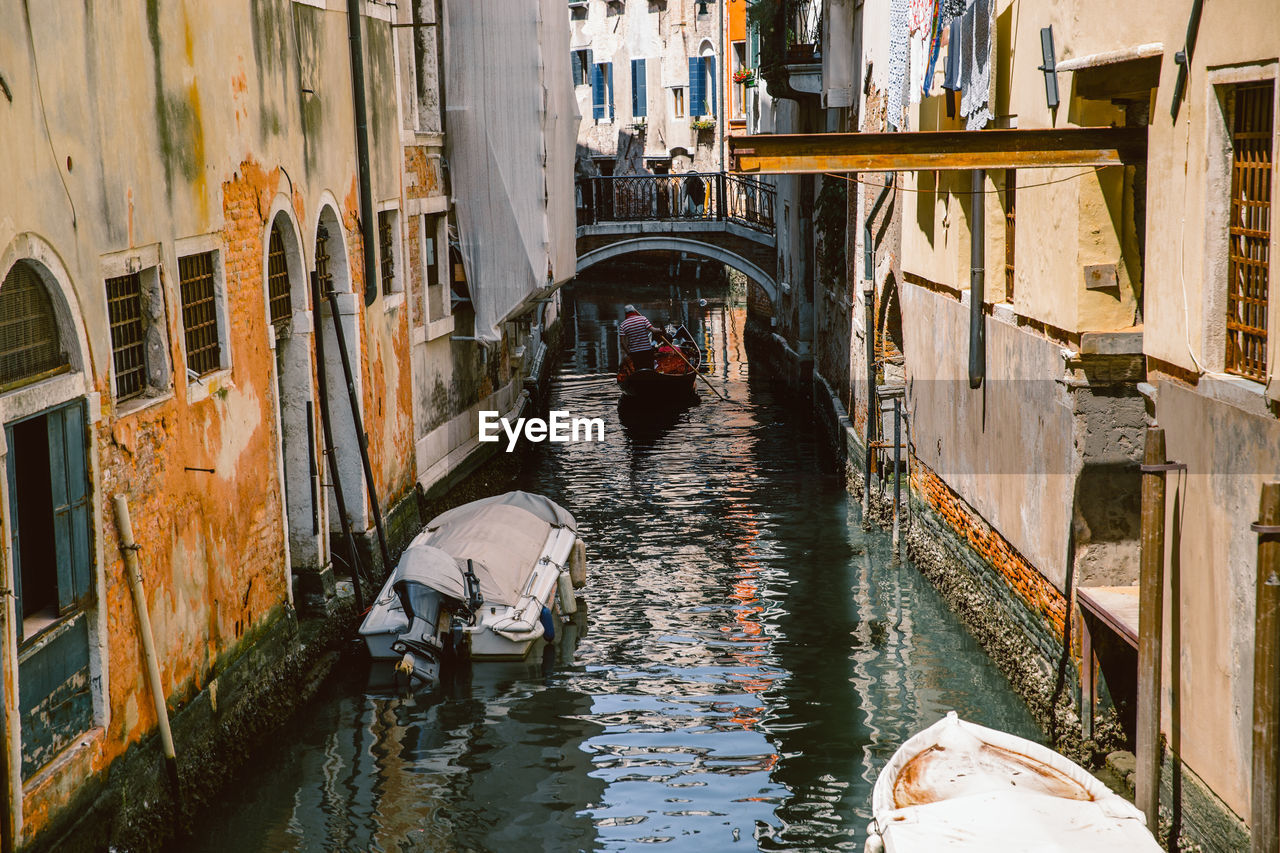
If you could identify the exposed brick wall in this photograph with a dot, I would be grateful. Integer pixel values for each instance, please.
(1032, 588)
(421, 172)
(759, 305)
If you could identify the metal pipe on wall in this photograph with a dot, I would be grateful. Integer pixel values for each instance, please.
(977, 276)
(368, 242)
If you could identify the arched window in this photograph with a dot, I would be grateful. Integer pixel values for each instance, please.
(30, 348)
(278, 279)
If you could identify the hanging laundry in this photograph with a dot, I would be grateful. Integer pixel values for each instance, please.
(921, 17)
(935, 47)
(899, 60)
(978, 24)
(951, 80)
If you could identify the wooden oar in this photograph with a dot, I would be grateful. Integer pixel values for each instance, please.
(677, 351)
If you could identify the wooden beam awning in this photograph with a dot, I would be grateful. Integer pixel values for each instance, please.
(936, 150)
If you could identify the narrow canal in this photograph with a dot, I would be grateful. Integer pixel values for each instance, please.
(749, 660)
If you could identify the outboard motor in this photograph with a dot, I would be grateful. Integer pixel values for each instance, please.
(419, 644)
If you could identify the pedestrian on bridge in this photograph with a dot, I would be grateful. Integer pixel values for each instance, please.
(695, 193)
(636, 332)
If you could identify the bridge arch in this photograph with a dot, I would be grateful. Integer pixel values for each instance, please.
(681, 244)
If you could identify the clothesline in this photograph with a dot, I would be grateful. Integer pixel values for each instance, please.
(900, 188)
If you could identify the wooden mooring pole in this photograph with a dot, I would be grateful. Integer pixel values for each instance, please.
(897, 469)
(1150, 623)
(1264, 833)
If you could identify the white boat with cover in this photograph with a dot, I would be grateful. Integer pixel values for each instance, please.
(958, 786)
(485, 580)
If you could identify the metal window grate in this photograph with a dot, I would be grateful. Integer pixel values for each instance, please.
(1011, 199)
(323, 277)
(30, 347)
(1249, 240)
(124, 310)
(278, 295)
(385, 248)
(200, 313)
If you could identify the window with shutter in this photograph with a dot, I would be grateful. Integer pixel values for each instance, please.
(709, 66)
(608, 71)
(639, 89)
(697, 87)
(597, 92)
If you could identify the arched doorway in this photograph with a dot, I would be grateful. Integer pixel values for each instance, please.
(334, 276)
(287, 303)
(50, 506)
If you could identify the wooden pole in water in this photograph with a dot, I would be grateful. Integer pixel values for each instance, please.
(869, 331)
(1264, 834)
(1150, 623)
(897, 468)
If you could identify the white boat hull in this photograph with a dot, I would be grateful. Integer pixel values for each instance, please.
(960, 787)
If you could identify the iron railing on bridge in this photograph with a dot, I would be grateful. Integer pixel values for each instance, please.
(684, 197)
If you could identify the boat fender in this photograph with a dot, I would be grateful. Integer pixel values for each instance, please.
(568, 603)
(548, 624)
(578, 564)
(875, 844)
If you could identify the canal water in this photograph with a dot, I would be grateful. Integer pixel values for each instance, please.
(748, 660)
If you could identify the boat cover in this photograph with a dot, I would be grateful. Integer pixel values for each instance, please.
(538, 505)
(958, 786)
(503, 536)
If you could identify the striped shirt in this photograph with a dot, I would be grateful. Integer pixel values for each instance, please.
(635, 333)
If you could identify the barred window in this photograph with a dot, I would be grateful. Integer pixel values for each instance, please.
(124, 311)
(200, 313)
(1249, 246)
(278, 294)
(30, 348)
(386, 250)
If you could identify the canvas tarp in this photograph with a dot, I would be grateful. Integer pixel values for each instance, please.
(511, 128)
(503, 536)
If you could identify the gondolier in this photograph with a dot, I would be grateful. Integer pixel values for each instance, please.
(635, 332)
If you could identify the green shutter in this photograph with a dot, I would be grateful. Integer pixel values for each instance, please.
(68, 473)
(639, 89)
(15, 552)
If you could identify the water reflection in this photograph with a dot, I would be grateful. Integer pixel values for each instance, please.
(750, 660)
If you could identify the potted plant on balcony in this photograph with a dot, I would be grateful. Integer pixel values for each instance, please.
(745, 76)
(703, 123)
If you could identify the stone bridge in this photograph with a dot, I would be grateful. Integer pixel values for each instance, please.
(726, 218)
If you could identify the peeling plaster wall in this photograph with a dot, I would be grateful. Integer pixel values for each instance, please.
(131, 128)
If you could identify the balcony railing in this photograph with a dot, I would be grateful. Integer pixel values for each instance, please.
(685, 197)
(803, 30)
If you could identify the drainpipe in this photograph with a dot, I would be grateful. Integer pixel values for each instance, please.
(129, 549)
(367, 239)
(977, 243)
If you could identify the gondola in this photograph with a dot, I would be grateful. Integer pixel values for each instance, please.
(673, 379)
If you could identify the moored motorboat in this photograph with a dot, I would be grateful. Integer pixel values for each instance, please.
(958, 786)
(483, 581)
(674, 374)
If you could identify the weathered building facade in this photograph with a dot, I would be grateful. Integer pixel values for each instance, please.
(183, 181)
(1113, 298)
(650, 84)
